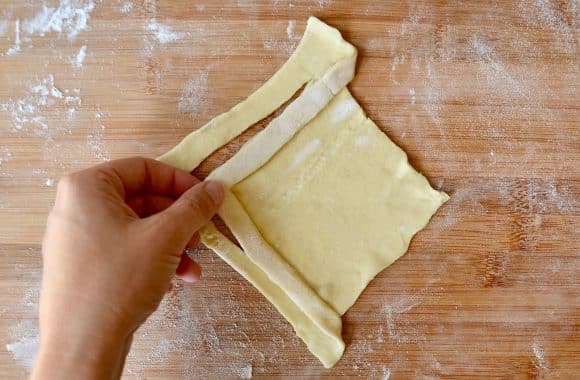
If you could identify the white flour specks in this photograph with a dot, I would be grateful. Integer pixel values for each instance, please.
(33, 109)
(543, 14)
(24, 350)
(413, 95)
(290, 30)
(5, 155)
(23, 337)
(127, 7)
(492, 67)
(344, 110)
(386, 373)
(306, 152)
(163, 33)
(95, 143)
(245, 372)
(3, 27)
(193, 97)
(50, 182)
(80, 58)
(402, 333)
(16, 47)
(69, 18)
(285, 46)
(539, 357)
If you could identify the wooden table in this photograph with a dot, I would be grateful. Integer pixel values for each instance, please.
(482, 95)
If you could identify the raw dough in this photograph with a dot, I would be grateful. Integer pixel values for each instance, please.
(320, 201)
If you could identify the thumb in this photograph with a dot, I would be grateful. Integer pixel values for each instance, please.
(192, 211)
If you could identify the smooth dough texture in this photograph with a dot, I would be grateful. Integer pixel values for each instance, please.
(320, 201)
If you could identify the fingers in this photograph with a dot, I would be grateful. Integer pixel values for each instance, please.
(188, 270)
(144, 175)
(190, 212)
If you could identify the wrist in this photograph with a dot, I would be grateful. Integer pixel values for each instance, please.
(81, 351)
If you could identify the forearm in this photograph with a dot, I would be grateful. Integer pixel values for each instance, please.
(85, 356)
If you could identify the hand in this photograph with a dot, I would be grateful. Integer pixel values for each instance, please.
(114, 239)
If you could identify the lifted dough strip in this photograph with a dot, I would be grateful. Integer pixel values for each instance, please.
(263, 146)
(199, 144)
(327, 348)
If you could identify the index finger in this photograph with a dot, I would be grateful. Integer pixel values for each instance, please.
(144, 175)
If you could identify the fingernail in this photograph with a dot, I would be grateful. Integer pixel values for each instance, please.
(215, 191)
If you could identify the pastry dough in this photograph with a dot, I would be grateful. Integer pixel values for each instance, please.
(320, 201)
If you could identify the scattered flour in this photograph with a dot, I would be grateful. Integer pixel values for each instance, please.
(163, 33)
(24, 350)
(540, 360)
(3, 27)
(291, 29)
(245, 372)
(413, 95)
(386, 373)
(127, 7)
(31, 112)
(5, 155)
(50, 182)
(69, 18)
(15, 49)
(543, 14)
(285, 46)
(193, 97)
(23, 338)
(306, 152)
(344, 110)
(80, 58)
(94, 142)
(492, 67)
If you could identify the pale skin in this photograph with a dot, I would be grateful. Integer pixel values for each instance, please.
(114, 241)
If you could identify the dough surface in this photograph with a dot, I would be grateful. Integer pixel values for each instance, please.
(320, 201)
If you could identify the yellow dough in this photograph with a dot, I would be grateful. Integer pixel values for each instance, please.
(320, 201)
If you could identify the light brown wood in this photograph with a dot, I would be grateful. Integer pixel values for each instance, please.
(483, 96)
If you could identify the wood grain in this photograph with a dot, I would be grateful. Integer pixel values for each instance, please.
(482, 95)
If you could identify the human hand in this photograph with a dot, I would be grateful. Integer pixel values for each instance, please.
(114, 239)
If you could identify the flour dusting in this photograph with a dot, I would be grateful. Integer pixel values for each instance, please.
(5, 155)
(543, 14)
(413, 95)
(69, 18)
(163, 33)
(24, 350)
(193, 97)
(127, 7)
(540, 359)
(291, 29)
(32, 112)
(305, 153)
(344, 110)
(386, 373)
(3, 27)
(95, 143)
(80, 58)
(16, 47)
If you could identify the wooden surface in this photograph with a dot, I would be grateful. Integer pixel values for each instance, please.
(482, 95)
